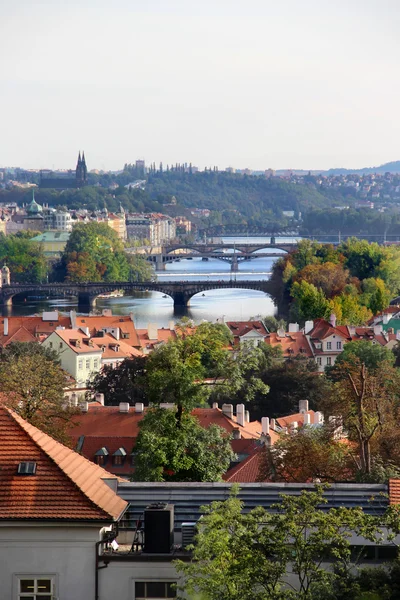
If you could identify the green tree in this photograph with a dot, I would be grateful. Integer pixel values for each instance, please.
(373, 356)
(237, 558)
(33, 384)
(24, 258)
(164, 452)
(309, 302)
(139, 268)
(125, 383)
(273, 324)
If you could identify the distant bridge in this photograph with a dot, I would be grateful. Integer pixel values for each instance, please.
(244, 229)
(179, 291)
(238, 252)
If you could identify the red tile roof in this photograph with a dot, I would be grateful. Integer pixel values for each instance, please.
(394, 491)
(240, 328)
(247, 471)
(322, 329)
(296, 418)
(98, 323)
(65, 486)
(291, 344)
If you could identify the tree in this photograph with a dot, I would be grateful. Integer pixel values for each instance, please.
(309, 302)
(348, 310)
(33, 384)
(373, 356)
(273, 324)
(94, 253)
(24, 258)
(329, 277)
(125, 383)
(164, 452)
(309, 454)
(240, 556)
(140, 268)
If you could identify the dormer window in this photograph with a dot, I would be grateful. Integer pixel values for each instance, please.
(27, 468)
(119, 457)
(101, 456)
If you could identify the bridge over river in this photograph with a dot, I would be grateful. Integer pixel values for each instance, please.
(179, 291)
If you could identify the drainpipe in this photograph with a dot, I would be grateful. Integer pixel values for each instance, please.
(109, 538)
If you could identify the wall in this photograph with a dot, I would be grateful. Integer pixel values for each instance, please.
(66, 552)
(118, 579)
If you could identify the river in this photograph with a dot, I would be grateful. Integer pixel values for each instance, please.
(152, 307)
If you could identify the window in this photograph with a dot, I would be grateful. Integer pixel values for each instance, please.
(80, 365)
(95, 363)
(338, 345)
(88, 363)
(329, 345)
(118, 460)
(319, 361)
(328, 360)
(156, 590)
(26, 468)
(51, 344)
(36, 588)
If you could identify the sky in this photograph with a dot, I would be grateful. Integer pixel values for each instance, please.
(302, 84)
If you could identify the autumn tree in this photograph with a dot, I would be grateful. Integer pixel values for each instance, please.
(309, 454)
(329, 277)
(33, 383)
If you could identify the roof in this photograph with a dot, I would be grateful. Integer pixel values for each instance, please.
(393, 324)
(296, 418)
(163, 335)
(77, 341)
(247, 471)
(35, 326)
(65, 487)
(291, 344)
(123, 322)
(394, 491)
(322, 329)
(52, 236)
(114, 348)
(240, 328)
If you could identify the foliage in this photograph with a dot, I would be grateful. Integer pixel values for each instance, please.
(273, 324)
(309, 454)
(234, 558)
(125, 383)
(94, 253)
(309, 302)
(139, 268)
(164, 452)
(24, 258)
(34, 384)
(373, 356)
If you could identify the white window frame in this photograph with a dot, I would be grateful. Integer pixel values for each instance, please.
(319, 361)
(87, 363)
(338, 345)
(20, 576)
(149, 580)
(329, 345)
(80, 364)
(329, 361)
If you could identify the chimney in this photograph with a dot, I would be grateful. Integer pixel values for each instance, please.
(99, 398)
(72, 316)
(377, 329)
(85, 406)
(152, 331)
(124, 407)
(332, 319)
(236, 435)
(247, 416)
(352, 330)
(5, 332)
(227, 410)
(294, 328)
(294, 425)
(318, 418)
(265, 426)
(171, 326)
(281, 332)
(309, 325)
(272, 424)
(307, 419)
(132, 317)
(240, 412)
(139, 407)
(74, 399)
(303, 406)
(215, 405)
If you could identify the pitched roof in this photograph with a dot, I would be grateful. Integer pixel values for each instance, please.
(296, 418)
(35, 326)
(123, 322)
(291, 344)
(322, 329)
(114, 348)
(77, 341)
(247, 471)
(65, 486)
(240, 328)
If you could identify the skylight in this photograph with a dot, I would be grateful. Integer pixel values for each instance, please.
(26, 468)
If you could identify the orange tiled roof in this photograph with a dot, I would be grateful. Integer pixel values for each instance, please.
(296, 418)
(291, 344)
(394, 491)
(34, 325)
(124, 323)
(77, 341)
(240, 328)
(115, 348)
(65, 487)
(247, 471)
(163, 335)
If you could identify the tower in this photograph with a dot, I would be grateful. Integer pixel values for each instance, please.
(81, 170)
(5, 276)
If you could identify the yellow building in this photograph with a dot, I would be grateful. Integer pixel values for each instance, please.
(53, 242)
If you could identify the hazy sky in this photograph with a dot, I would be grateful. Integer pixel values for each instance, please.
(258, 84)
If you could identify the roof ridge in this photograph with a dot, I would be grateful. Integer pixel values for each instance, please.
(83, 482)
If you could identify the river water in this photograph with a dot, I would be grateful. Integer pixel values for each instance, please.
(152, 307)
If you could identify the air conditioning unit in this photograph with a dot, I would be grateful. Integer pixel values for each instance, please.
(188, 533)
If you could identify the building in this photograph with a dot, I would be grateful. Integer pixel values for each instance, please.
(155, 227)
(54, 509)
(53, 242)
(63, 180)
(58, 220)
(33, 219)
(251, 333)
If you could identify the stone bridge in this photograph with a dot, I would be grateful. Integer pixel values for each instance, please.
(179, 291)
